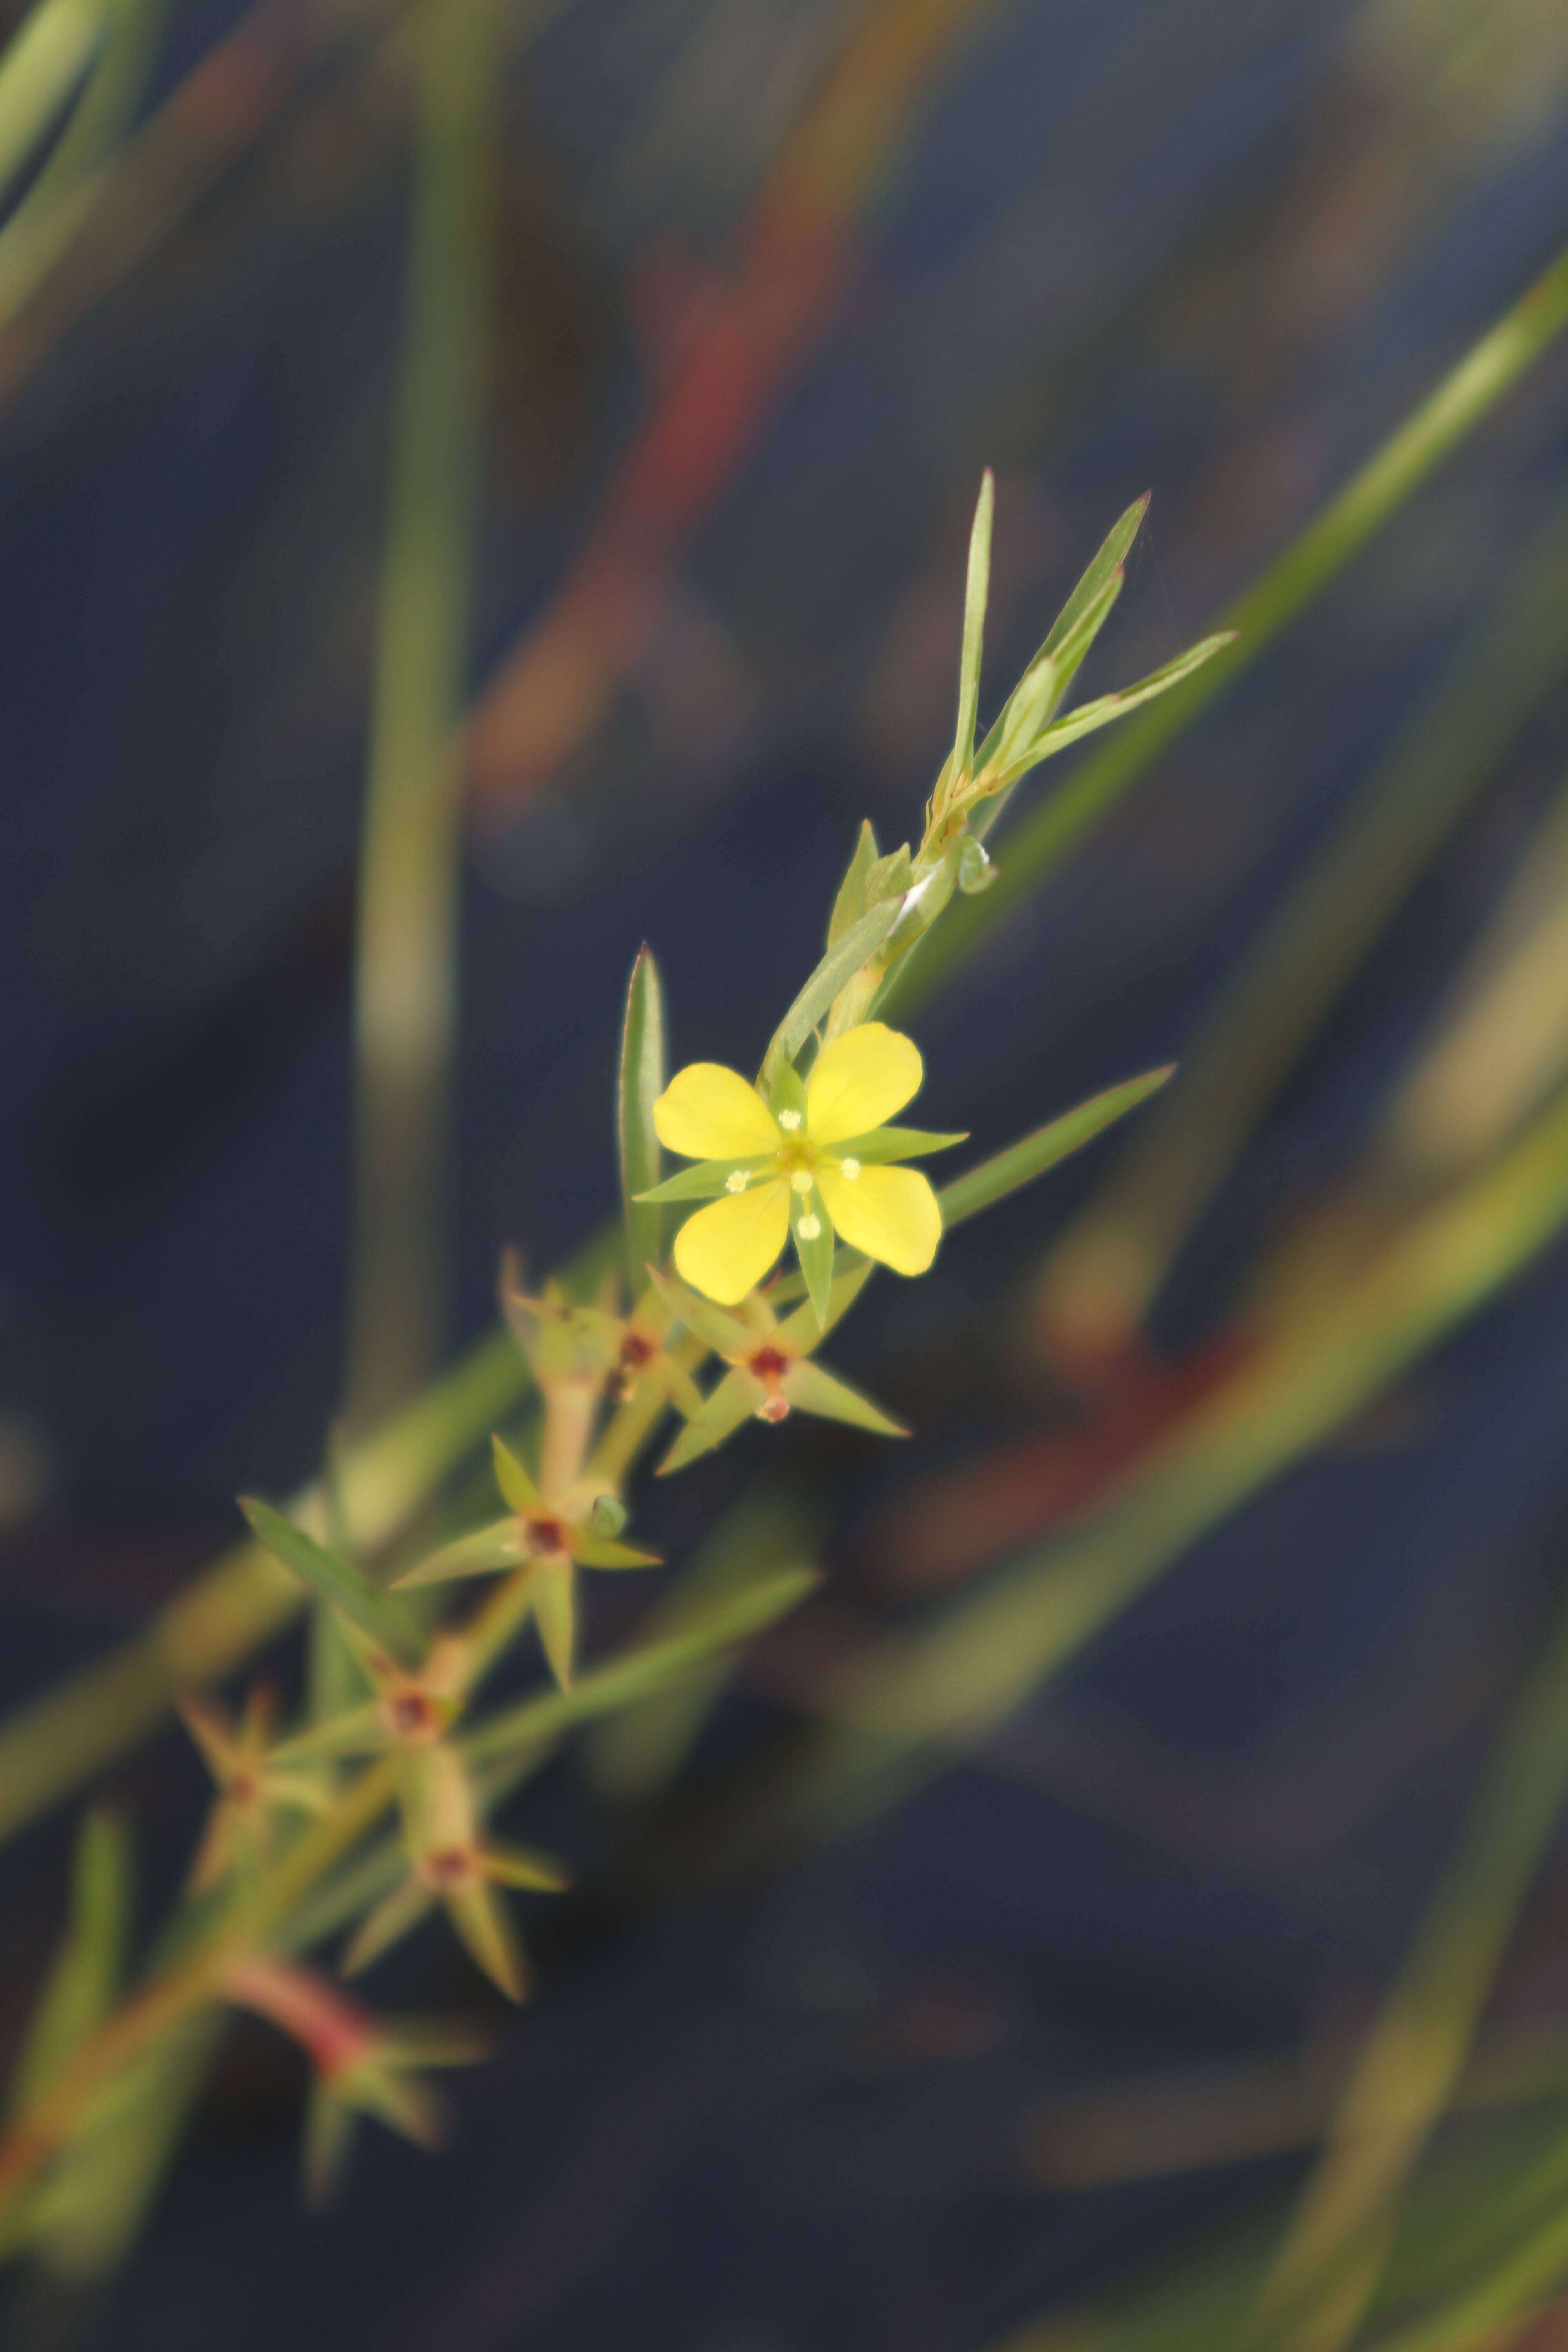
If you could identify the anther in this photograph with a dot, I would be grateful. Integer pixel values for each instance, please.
(789, 1120)
(802, 1180)
(808, 1228)
(849, 1169)
(736, 1181)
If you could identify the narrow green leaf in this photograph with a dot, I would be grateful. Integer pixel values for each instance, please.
(733, 1401)
(1074, 629)
(836, 969)
(485, 1927)
(811, 1388)
(523, 1866)
(884, 1145)
(1111, 707)
(603, 1551)
(850, 903)
(642, 1080)
(348, 1588)
(991, 1181)
(704, 1180)
(633, 1673)
(80, 1987)
(977, 588)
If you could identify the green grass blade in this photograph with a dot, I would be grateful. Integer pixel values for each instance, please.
(1412, 2059)
(40, 67)
(1019, 1165)
(638, 1673)
(642, 1080)
(85, 1979)
(405, 933)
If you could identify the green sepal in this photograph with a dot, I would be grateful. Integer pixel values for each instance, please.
(640, 1083)
(523, 1866)
(485, 1552)
(786, 1092)
(598, 1551)
(850, 903)
(884, 1145)
(554, 1597)
(394, 1916)
(725, 1333)
(516, 1486)
(811, 1388)
(815, 1255)
(348, 1588)
(734, 1401)
(706, 1178)
(991, 1181)
(484, 1926)
(799, 1333)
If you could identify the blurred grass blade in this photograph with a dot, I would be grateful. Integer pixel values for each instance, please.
(348, 1588)
(976, 592)
(1466, 395)
(1109, 1265)
(642, 1074)
(42, 63)
(405, 935)
(1019, 1165)
(838, 969)
(637, 1673)
(96, 2199)
(1417, 2050)
(82, 1984)
(639, 1749)
(948, 1684)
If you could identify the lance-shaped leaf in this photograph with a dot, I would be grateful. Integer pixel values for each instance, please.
(348, 1588)
(737, 1399)
(517, 1487)
(977, 589)
(555, 1598)
(836, 969)
(991, 1181)
(81, 1985)
(849, 904)
(1046, 681)
(884, 1145)
(642, 1078)
(811, 1387)
(1111, 707)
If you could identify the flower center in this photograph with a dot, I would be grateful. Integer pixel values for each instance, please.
(543, 1537)
(411, 1718)
(451, 1870)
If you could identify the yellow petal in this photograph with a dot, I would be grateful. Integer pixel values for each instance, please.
(726, 1249)
(708, 1112)
(859, 1081)
(891, 1214)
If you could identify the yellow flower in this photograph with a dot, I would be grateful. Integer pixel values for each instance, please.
(814, 1159)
